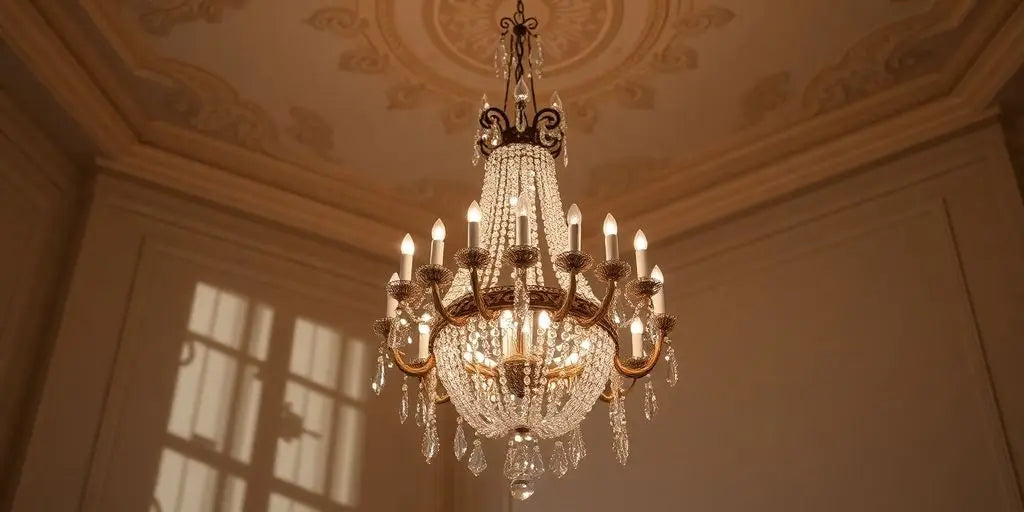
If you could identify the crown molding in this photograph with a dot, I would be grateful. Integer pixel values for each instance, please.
(998, 62)
(42, 50)
(216, 185)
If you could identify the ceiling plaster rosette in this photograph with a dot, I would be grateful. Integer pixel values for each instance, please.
(441, 54)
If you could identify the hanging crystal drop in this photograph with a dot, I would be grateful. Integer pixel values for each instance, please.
(501, 59)
(565, 154)
(537, 57)
(421, 407)
(521, 489)
(515, 461)
(577, 448)
(559, 463)
(616, 313)
(650, 400)
(378, 379)
(460, 440)
(522, 296)
(534, 463)
(522, 91)
(430, 443)
(477, 462)
(403, 409)
(673, 370)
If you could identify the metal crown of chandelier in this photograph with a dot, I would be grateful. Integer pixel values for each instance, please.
(518, 359)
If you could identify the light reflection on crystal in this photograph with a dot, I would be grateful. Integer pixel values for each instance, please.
(477, 462)
(460, 440)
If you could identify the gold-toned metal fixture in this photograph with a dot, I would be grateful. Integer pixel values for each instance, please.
(519, 360)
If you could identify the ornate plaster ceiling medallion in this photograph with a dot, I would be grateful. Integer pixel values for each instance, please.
(517, 359)
(442, 54)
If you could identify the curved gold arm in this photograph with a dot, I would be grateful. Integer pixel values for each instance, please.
(606, 396)
(412, 370)
(645, 368)
(603, 310)
(441, 310)
(570, 294)
(443, 399)
(478, 297)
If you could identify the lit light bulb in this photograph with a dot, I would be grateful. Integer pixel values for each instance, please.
(424, 329)
(408, 247)
(438, 231)
(405, 267)
(610, 226)
(636, 326)
(473, 214)
(640, 241)
(544, 320)
(513, 201)
(657, 275)
(574, 216)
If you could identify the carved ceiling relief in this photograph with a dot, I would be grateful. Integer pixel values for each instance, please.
(885, 58)
(576, 34)
(159, 17)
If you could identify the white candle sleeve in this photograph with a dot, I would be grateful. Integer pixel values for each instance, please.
(424, 347)
(522, 230)
(574, 237)
(641, 264)
(437, 252)
(637, 330)
(474, 234)
(611, 247)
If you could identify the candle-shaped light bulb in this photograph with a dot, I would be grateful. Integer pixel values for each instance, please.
(437, 234)
(544, 320)
(473, 216)
(611, 238)
(408, 248)
(636, 328)
(392, 303)
(574, 218)
(522, 223)
(640, 244)
(424, 347)
(659, 298)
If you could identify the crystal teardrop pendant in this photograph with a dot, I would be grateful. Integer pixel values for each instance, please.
(460, 440)
(430, 443)
(403, 408)
(378, 378)
(537, 57)
(522, 91)
(535, 463)
(650, 400)
(477, 462)
(559, 462)
(521, 489)
(420, 406)
(577, 448)
(673, 370)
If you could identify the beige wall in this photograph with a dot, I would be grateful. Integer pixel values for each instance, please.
(854, 348)
(38, 196)
(157, 387)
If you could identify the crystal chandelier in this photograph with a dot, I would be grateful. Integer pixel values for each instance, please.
(517, 359)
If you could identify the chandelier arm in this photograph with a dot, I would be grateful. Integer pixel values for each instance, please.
(606, 396)
(478, 297)
(443, 399)
(570, 295)
(645, 368)
(602, 311)
(412, 370)
(435, 291)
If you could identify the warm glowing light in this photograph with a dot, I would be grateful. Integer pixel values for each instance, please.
(424, 329)
(544, 320)
(473, 214)
(523, 211)
(437, 232)
(394, 277)
(640, 241)
(636, 327)
(657, 275)
(513, 201)
(574, 216)
(408, 247)
(610, 226)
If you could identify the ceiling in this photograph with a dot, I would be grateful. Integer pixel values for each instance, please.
(370, 106)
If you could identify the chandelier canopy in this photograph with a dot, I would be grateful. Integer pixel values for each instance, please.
(516, 358)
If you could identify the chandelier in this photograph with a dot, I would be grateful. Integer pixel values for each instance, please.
(520, 360)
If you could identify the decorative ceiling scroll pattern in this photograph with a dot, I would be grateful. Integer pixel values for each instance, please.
(578, 37)
(159, 17)
(885, 58)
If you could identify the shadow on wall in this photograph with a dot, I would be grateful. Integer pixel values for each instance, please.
(229, 446)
